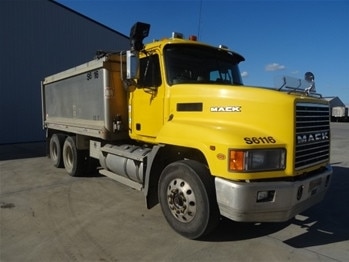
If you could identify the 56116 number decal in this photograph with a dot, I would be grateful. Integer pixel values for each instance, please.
(260, 140)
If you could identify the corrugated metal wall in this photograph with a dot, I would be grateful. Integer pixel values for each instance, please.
(39, 38)
(335, 101)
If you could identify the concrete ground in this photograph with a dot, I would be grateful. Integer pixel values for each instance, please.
(47, 215)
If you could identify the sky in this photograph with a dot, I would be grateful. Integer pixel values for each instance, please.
(276, 37)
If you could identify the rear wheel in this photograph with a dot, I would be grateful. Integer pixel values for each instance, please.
(55, 149)
(187, 198)
(74, 160)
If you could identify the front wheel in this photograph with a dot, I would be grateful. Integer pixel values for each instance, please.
(187, 198)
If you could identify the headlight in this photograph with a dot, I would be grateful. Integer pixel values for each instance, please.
(257, 160)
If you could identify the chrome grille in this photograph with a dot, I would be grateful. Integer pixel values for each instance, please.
(312, 134)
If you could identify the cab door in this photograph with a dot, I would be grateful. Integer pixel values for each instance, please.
(146, 105)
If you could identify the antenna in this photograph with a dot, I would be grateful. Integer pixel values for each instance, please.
(199, 24)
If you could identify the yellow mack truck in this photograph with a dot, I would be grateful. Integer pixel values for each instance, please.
(173, 119)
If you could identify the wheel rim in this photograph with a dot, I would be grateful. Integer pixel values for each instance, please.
(68, 158)
(181, 200)
(54, 151)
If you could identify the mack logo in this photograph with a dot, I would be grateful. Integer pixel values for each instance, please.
(226, 109)
(301, 139)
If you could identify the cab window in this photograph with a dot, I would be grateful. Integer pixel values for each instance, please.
(149, 71)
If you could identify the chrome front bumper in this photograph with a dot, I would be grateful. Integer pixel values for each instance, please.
(238, 200)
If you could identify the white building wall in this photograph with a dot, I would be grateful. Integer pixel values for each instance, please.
(39, 38)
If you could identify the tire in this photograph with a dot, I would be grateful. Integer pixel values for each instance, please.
(187, 198)
(74, 160)
(55, 150)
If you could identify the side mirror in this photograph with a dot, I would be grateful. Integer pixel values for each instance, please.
(132, 65)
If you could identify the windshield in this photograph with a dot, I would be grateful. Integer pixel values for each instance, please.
(201, 64)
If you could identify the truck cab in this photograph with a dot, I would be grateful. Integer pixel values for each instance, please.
(163, 72)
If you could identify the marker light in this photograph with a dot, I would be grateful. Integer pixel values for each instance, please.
(177, 35)
(193, 38)
(223, 47)
(236, 160)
